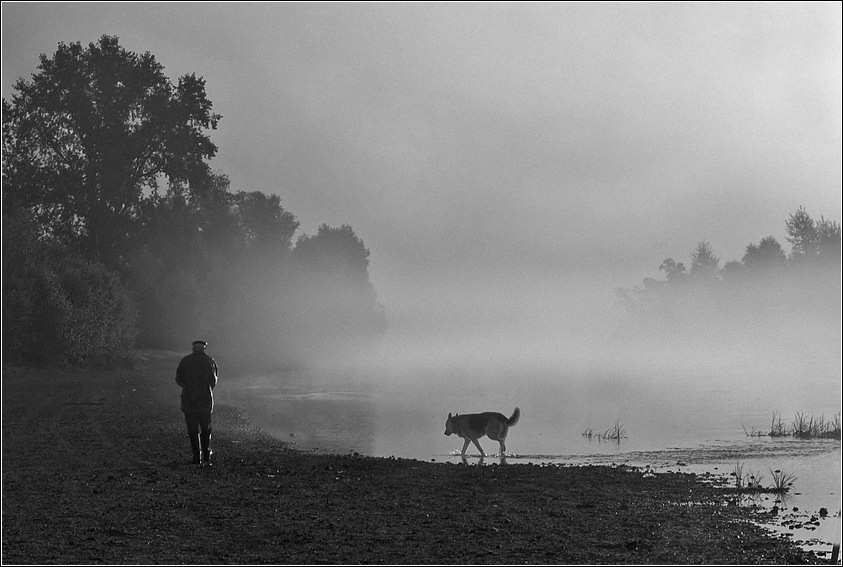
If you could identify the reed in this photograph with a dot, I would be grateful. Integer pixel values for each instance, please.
(754, 480)
(749, 480)
(782, 481)
(615, 433)
(802, 427)
(737, 472)
(753, 432)
(816, 428)
(777, 428)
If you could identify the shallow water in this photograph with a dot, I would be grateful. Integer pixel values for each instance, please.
(680, 421)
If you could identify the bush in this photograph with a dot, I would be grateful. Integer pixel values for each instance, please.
(67, 311)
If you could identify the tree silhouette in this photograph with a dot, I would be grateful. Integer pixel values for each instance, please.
(673, 271)
(767, 255)
(828, 240)
(335, 301)
(87, 139)
(704, 264)
(802, 234)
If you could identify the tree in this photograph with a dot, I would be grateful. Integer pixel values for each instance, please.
(704, 264)
(674, 271)
(336, 306)
(62, 308)
(828, 240)
(87, 139)
(733, 271)
(802, 234)
(813, 240)
(767, 255)
(268, 226)
(336, 250)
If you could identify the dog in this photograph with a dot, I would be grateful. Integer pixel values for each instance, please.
(473, 426)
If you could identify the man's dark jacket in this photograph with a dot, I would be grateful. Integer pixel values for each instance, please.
(197, 376)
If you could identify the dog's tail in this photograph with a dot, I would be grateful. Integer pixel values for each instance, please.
(514, 419)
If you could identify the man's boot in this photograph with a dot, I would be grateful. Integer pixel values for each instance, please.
(206, 447)
(194, 446)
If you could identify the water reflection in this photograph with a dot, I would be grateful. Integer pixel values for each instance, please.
(331, 421)
(481, 459)
(676, 423)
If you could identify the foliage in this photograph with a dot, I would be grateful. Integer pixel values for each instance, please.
(766, 255)
(704, 264)
(828, 241)
(765, 292)
(268, 226)
(802, 233)
(59, 307)
(86, 143)
(673, 271)
(334, 301)
(87, 139)
(813, 240)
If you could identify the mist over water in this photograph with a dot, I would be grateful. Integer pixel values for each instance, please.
(685, 390)
(684, 405)
(507, 168)
(571, 360)
(576, 322)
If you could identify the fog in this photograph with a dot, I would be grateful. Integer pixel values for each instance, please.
(576, 329)
(510, 165)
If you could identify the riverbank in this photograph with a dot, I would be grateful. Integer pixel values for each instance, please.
(95, 470)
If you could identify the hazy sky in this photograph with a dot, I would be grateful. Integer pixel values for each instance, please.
(481, 150)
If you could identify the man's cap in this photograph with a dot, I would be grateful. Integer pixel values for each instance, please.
(203, 343)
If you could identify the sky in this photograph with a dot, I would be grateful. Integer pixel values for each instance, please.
(507, 164)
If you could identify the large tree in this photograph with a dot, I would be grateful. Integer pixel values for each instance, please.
(335, 305)
(87, 140)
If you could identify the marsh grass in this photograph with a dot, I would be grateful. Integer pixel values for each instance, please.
(614, 434)
(802, 427)
(737, 472)
(812, 428)
(747, 480)
(782, 481)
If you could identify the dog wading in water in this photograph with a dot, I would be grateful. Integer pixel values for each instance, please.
(473, 426)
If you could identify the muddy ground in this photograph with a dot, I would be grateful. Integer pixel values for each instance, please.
(96, 470)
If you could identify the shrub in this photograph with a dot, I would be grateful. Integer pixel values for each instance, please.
(66, 310)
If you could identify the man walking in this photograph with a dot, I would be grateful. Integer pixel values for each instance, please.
(197, 376)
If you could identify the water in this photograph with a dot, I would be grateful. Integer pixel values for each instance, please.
(679, 421)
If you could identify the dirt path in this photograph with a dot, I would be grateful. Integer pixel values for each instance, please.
(95, 471)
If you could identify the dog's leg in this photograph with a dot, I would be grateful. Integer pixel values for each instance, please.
(503, 448)
(465, 446)
(479, 448)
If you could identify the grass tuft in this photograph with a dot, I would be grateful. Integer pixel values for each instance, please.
(615, 433)
(782, 481)
(803, 427)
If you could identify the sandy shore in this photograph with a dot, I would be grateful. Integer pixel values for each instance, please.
(95, 470)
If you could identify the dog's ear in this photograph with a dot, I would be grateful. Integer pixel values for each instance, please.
(449, 415)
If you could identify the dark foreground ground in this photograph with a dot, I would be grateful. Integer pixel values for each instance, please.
(95, 471)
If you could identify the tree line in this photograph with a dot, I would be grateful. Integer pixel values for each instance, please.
(118, 234)
(767, 292)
